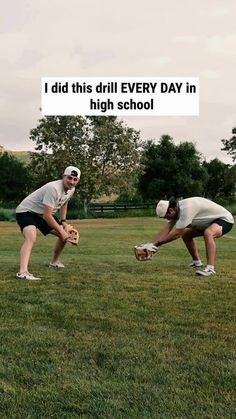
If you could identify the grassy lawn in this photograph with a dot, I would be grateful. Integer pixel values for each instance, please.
(111, 337)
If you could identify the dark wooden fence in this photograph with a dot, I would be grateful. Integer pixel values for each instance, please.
(119, 206)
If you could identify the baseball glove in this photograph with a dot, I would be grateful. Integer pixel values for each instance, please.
(73, 234)
(145, 251)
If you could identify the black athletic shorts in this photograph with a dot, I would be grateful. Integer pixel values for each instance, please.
(226, 226)
(25, 219)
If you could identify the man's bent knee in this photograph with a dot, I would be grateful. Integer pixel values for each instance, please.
(213, 231)
(30, 233)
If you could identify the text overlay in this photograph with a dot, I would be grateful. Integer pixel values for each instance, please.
(163, 96)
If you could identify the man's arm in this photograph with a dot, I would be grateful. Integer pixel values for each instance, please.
(48, 217)
(173, 235)
(63, 211)
(162, 235)
(167, 235)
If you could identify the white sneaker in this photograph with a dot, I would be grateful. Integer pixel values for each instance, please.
(196, 264)
(57, 265)
(27, 275)
(206, 272)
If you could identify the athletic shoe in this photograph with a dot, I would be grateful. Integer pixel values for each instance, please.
(27, 275)
(196, 264)
(56, 265)
(206, 272)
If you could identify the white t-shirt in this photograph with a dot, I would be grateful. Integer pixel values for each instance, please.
(199, 213)
(51, 194)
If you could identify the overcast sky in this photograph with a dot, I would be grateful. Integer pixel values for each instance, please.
(121, 38)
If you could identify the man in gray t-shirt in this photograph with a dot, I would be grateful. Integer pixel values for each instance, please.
(37, 211)
(193, 217)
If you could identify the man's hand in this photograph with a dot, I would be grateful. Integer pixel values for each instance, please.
(145, 251)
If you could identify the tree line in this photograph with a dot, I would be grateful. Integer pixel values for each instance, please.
(114, 160)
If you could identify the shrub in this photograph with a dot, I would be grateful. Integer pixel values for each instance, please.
(7, 214)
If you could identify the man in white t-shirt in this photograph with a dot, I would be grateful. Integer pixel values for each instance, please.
(193, 217)
(37, 211)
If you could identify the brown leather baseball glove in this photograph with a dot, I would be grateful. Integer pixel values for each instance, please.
(145, 251)
(73, 234)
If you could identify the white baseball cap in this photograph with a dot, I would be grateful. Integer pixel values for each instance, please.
(161, 208)
(72, 171)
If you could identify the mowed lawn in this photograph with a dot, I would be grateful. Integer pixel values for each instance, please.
(111, 337)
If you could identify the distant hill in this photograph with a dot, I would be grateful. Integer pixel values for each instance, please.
(23, 156)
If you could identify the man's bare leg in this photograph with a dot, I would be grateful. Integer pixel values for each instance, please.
(30, 235)
(188, 238)
(212, 232)
(59, 246)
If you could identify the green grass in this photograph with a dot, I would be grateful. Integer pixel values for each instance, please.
(111, 337)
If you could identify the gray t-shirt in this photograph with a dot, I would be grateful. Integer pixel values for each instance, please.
(51, 194)
(199, 213)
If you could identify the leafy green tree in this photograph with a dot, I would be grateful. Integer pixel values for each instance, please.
(191, 176)
(106, 151)
(170, 169)
(230, 145)
(14, 180)
(221, 179)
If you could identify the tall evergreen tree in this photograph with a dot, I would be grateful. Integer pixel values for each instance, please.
(230, 145)
(15, 179)
(170, 169)
(221, 179)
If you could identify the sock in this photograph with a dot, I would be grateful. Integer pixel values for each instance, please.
(198, 261)
(211, 267)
